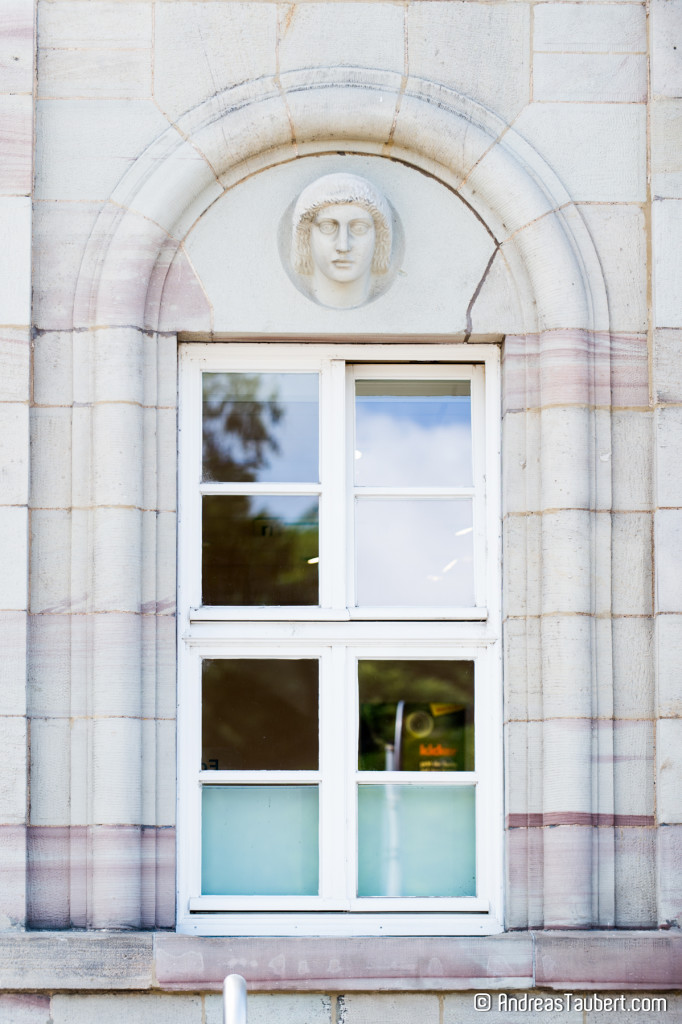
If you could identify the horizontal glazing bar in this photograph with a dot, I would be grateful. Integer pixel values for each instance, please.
(214, 487)
(416, 778)
(256, 778)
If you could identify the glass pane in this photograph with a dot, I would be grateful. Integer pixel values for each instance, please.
(414, 552)
(416, 716)
(413, 433)
(259, 714)
(259, 550)
(260, 427)
(259, 841)
(416, 841)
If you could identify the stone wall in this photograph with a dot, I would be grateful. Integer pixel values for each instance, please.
(550, 135)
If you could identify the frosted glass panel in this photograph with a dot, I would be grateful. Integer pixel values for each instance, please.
(414, 552)
(416, 841)
(259, 550)
(260, 427)
(413, 433)
(259, 841)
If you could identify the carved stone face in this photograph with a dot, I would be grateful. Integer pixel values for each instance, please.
(342, 240)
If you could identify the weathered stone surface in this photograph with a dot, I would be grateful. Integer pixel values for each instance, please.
(286, 1009)
(592, 28)
(184, 962)
(136, 1009)
(609, 961)
(70, 960)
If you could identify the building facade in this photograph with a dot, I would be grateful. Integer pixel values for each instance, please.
(166, 166)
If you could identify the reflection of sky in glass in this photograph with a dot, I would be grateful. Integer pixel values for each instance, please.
(414, 552)
(413, 433)
(260, 427)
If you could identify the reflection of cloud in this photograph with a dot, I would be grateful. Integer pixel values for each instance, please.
(401, 451)
(405, 549)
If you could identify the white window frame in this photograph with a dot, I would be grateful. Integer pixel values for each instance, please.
(339, 633)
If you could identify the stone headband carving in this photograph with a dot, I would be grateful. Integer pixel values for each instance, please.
(342, 235)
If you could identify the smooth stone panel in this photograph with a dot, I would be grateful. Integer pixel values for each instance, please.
(134, 1009)
(669, 759)
(599, 147)
(619, 234)
(284, 1008)
(612, 78)
(667, 242)
(446, 253)
(444, 44)
(666, 63)
(347, 964)
(191, 41)
(666, 149)
(68, 25)
(365, 35)
(16, 143)
(592, 28)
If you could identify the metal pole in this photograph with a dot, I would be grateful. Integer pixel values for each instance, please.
(234, 999)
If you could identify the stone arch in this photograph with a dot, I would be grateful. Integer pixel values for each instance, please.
(551, 366)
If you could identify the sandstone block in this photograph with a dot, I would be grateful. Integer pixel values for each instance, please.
(598, 146)
(591, 28)
(669, 659)
(16, 140)
(13, 558)
(123, 26)
(666, 64)
(50, 457)
(201, 49)
(50, 561)
(16, 47)
(633, 755)
(85, 146)
(13, 894)
(14, 463)
(666, 147)
(443, 45)
(667, 241)
(631, 446)
(368, 36)
(669, 764)
(668, 559)
(667, 365)
(589, 77)
(635, 877)
(15, 261)
(631, 563)
(29, 1008)
(49, 665)
(285, 1008)
(619, 236)
(50, 771)
(13, 790)
(94, 73)
(116, 771)
(388, 1009)
(633, 667)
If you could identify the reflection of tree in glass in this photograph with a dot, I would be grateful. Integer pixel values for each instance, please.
(447, 686)
(254, 556)
(260, 714)
(237, 426)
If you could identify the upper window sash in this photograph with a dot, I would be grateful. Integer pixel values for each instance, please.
(336, 491)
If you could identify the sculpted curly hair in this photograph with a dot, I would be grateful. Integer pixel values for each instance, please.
(330, 190)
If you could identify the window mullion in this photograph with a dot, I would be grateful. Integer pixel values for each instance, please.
(332, 474)
(333, 864)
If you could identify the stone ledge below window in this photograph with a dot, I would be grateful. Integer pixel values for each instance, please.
(163, 961)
